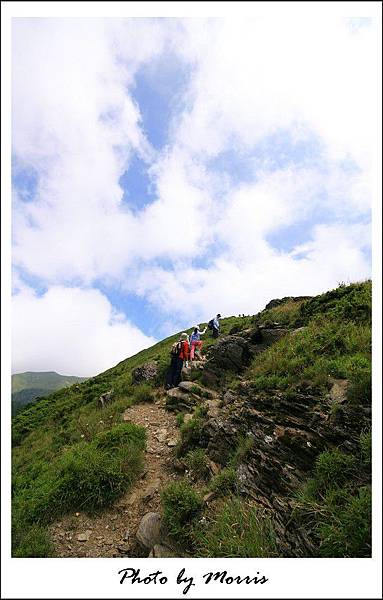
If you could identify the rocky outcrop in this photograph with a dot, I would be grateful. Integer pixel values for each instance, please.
(281, 434)
(146, 372)
(230, 353)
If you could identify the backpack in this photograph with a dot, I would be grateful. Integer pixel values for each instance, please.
(210, 324)
(176, 349)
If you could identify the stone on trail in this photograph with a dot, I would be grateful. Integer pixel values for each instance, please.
(172, 442)
(161, 435)
(149, 532)
(84, 537)
(196, 388)
(161, 551)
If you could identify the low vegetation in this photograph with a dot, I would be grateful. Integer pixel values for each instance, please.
(336, 502)
(235, 529)
(87, 476)
(70, 453)
(181, 505)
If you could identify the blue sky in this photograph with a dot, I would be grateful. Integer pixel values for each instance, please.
(165, 170)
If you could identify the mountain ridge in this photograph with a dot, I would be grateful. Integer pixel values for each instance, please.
(29, 385)
(276, 412)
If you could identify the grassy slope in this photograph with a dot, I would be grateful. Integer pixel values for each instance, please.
(59, 434)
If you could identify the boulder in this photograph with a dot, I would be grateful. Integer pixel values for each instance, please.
(161, 551)
(105, 398)
(178, 400)
(231, 353)
(195, 388)
(150, 530)
(146, 372)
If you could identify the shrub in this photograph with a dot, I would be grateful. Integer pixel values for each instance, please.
(143, 393)
(366, 447)
(224, 482)
(191, 431)
(88, 476)
(181, 504)
(122, 435)
(236, 530)
(244, 445)
(196, 461)
(180, 419)
(347, 531)
(333, 466)
(34, 543)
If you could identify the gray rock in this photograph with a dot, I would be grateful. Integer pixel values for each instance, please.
(105, 398)
(84, 537)
(195, 388)
(146, 372)
(231, 353)
(213, 408)
(229, 397)
(161, 435)
(161, 551)
(150, 531)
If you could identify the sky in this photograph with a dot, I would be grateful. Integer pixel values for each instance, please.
(165, 170)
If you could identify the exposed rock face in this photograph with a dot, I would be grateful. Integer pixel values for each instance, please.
(287, 432)
(146, 372)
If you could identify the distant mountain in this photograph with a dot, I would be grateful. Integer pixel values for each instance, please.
(28, 386)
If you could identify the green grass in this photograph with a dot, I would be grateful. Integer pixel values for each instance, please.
(67, 440)
(335, 503)
(34, 544)
(324, 348)
(181, 505)
(241, 450)
(224, 482)
(196, 462)
(235, 530)
(191, 432)
(87, 476)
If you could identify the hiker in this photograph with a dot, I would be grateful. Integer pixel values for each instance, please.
(214, 325)
(179, 353)
(195, 342)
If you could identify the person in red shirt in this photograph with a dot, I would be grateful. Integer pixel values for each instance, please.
(179, 355)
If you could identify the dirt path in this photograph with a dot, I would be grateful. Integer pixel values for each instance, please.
(112, 533)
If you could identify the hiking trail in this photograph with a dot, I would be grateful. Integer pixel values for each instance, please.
(112, 532)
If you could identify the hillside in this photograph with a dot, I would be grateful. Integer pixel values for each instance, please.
(264, 449)
(30, 385)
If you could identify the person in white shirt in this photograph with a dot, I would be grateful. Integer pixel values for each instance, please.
(216, 325)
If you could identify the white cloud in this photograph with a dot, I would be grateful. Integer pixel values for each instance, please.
(335, 254)
(254, 76)
(70, 330)
(75, 122)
